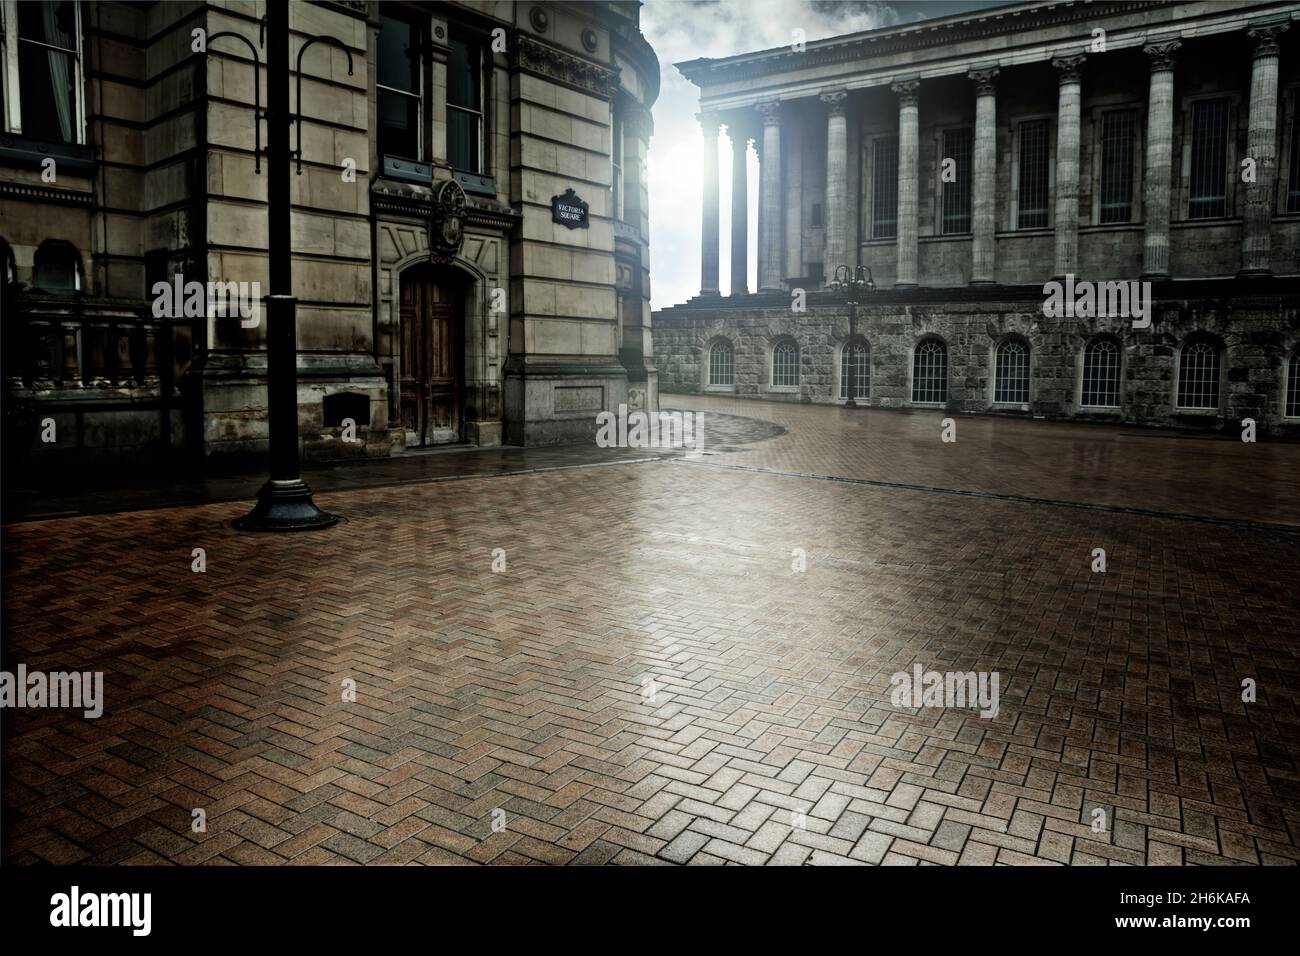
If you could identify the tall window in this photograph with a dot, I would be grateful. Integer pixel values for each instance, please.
(722, 364)
(616, 162)
(855, 360)
(1293, 192)
(1101, 374)
(884, 189)
(1011, 378)
(957, 144)
(399, 84)
(465, 107)
(930, 372)
(1032, 195)
(1198, 375)
(1208, 193)
(785, 364)
(41, 52)
(1293, 386)
(1118, 131)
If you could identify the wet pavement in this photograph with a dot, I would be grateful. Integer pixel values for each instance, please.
(684, 660)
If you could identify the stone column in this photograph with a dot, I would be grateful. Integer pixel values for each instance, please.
(739, 208)
(709, 224)
(908, 175)
(984, 176)
(837, 180)
(792, 168)
(1159, 163)
(769, 200)
(1261, 146)
(1067, 164)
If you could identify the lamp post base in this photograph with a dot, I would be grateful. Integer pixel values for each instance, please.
(285, 506)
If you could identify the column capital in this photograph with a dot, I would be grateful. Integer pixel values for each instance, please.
(986, 81)
(770, 111)
(638, 122)
(907, 91)
(710, 122)
(1267, 37)
(1162, 54)
(1071, 67)
(834, 100)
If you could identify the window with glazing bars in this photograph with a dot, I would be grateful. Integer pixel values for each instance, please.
(855, 360)
(930, 372)
(1198, 376)
(616, 163)
(1011, 382)
(785, 365)
(1101, 374)
(1293, 386)
(1118, 131)
(884, 189)
(1032, 199)
(46, 103)
(957, 145)
(398, 86)
(1208, 191)
(1293, 191)
(465, 106)
(722, 364)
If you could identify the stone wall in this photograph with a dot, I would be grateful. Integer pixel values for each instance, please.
(1257, 336)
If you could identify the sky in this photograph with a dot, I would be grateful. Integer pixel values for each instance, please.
(688, 29)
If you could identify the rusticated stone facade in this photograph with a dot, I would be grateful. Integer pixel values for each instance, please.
(1256, 338)
(438, 301)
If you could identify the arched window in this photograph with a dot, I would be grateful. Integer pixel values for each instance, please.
(930, 372)
(1198, 375)
(1011, 374)
(57, 267)
(1293, 386)
(785, 364)
(1100, 374)
(855, 362)
(722, 364)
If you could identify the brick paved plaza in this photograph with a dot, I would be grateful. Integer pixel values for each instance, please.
(650, 681)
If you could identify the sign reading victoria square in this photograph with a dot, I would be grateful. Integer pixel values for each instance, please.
(570, 210)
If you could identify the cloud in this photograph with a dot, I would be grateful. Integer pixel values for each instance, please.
(686, 30)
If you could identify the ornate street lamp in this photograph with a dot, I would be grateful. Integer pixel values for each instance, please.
(855, 283)
(284, 502)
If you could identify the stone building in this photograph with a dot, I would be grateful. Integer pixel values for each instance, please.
(965, 162)
(442, 298)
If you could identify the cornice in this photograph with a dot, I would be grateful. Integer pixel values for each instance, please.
(417, 202)
(911, 38)
(33, 193)
(560, 66)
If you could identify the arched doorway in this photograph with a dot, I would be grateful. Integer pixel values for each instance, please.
(433, 356)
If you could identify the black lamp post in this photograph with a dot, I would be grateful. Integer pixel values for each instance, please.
(854, 282)
(284, 503)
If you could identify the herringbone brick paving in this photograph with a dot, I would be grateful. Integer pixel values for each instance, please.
(650, 681)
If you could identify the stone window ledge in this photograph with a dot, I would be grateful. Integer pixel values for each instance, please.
(784, 389)
(1208, 221)
(1113, 227)
(720, 389)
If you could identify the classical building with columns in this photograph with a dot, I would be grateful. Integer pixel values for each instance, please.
(969, 160)
(469, 224)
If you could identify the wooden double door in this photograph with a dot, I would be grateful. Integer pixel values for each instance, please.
(433, 357)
